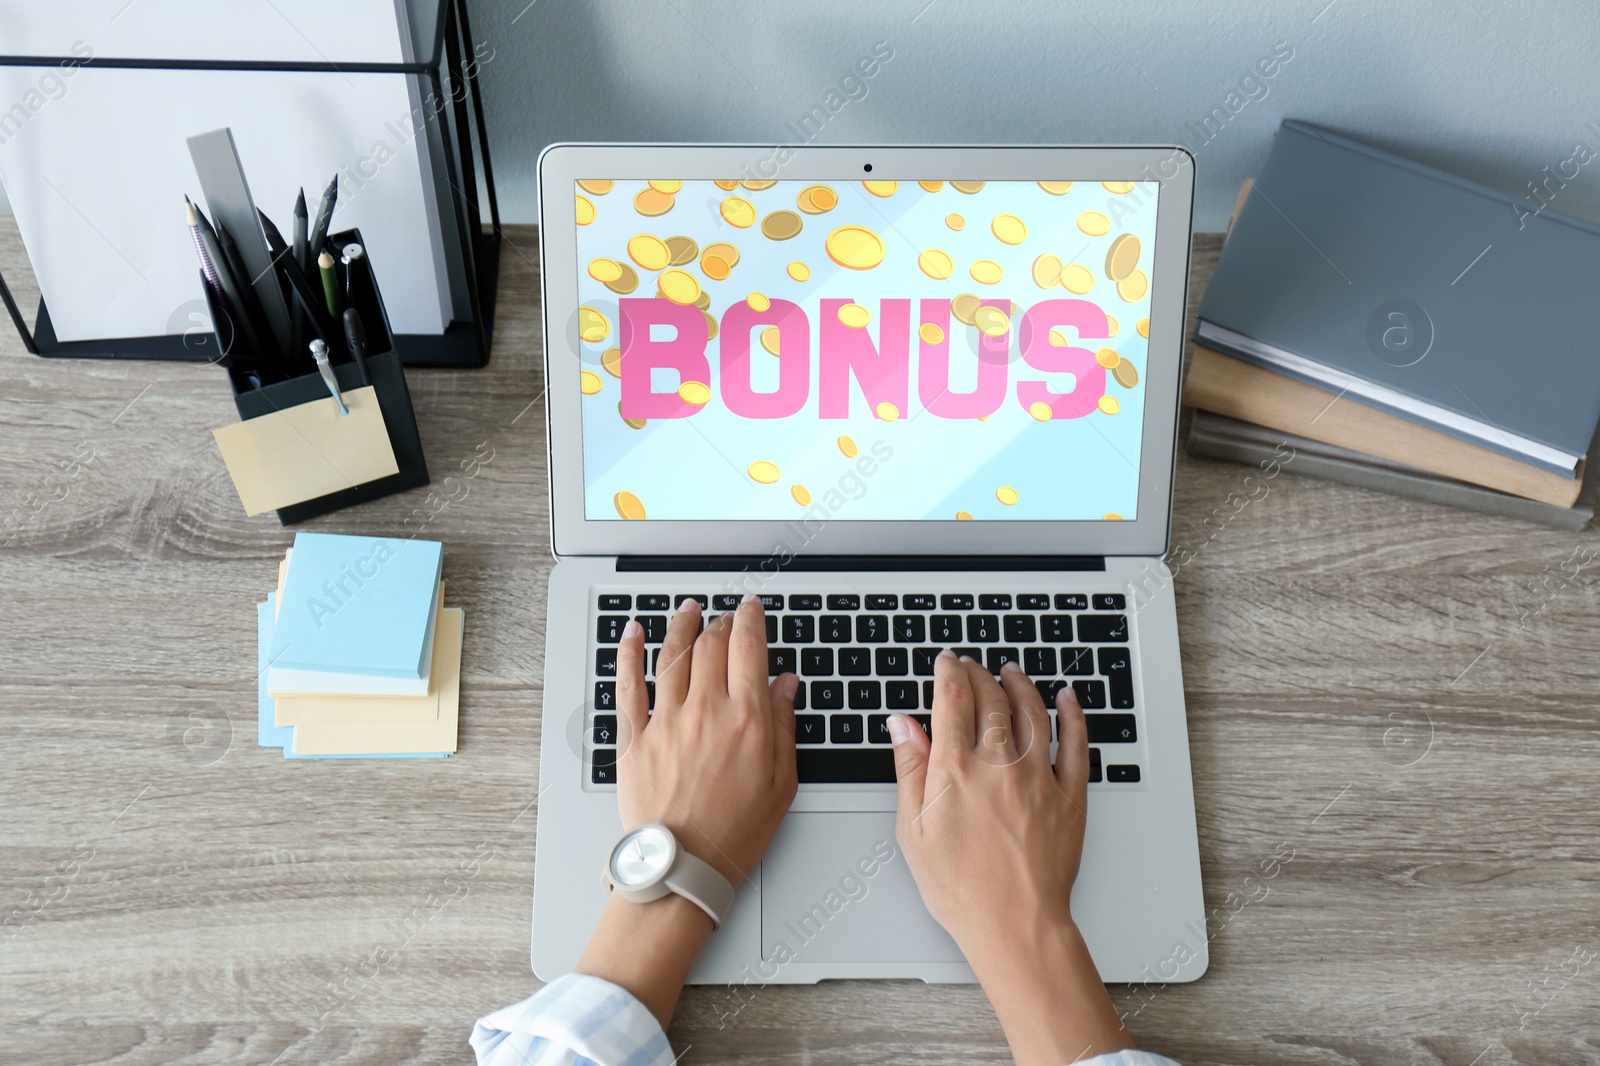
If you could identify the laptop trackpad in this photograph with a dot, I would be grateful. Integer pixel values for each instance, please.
(835, 888)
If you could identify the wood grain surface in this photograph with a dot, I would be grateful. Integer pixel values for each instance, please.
(1400, 696)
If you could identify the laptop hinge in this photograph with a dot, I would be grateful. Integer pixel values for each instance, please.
(771, 564)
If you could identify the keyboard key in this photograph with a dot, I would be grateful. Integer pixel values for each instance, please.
(994, 601)
(816, 662)
(844, 602)
(1057, 628)
(1110, 601)
(845, 728)
(835, 628)
(1111, 728)
(771, 602)
(927, 696)
(915, 602)
(983, 628)
(1077, 662)
(975, 654)
(772, 628)
(922, 661)
(605, 695)
(955, 602)
(998, 657)
(1091, 693)
(655, 660)
(1039, 662)
(872, 628)
(1019, 628)
(1127, 775)
(1094, 766)
(910, 628)
(655, 626)
(827, 695)
(605, 729)
(900, 695)
(698, 597)
(806, 602)
(1071, 601)
(800, 696)
(616, 601)
(650, 694)
(877, 729)
(855, 662)
(603, 766)
(810, 728)
(609, 628)
(865, 696)
(945, 628)
(1103, 628)
(780, 661)
(605, 662)
(892, 662)
(852, 766)
(1048, 690)
(726, 601)
(883, 603)
(799, 629)
(654, 602)
(1033, 601)
(1117, 667)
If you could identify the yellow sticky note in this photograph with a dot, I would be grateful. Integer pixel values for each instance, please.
(400, 737)
(307, 451)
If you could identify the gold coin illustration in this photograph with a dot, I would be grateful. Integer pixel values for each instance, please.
(649, 251)
(704, 302)
(887, 411)
(727, 186)
(1121, 188)
(955, 222)
(758, 301)
(668, 187)
(724, 251)
(769, 339)
(763, 471)
(1126, 373)
(799, 272)
(627, 280)
(1056, 188)
(854, 247)
(1046, 271)
(987, 272)
(585, 208)
(817, 199)
(590, 382)
(1122, 257)
(968, 187)
(631, 423)
(681, 250)
(1094, 223)
(963, 306)
(651, 203)
(599, 188)
(714, 266)
(847, 447)
(1109, 405)
(757, 186)
(1143, 326)
(854, 315)
(611, 361)
(780, 225)
(1009, 229)
(1075, 277)
(695, 392)
(678, 286)
(1112, 516)
(1107, 357)
(628, 506)
(962, 516)
(604, 270)
(1112, 326)
(711, 326)
(1006, 495)
(930, 333)
(1040, 411)
(1133, 287)
(991, 321)
(737, 211)
(931, 186)
(881, 188)
(801, 496)
(936, 264)
(1058, 338)
(592, 325)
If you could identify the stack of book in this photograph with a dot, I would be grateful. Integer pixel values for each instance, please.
(1380, 323)
(358, 656)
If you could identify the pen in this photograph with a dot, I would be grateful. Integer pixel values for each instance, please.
(360, 291)
(302, 244)
(355, 338)
(207, 267)
(319, 352)
(319, 232)
(330, 283)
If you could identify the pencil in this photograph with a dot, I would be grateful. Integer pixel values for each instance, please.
(207, 267)
(330, 283)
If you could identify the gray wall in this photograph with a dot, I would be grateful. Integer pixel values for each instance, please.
(1495, 90)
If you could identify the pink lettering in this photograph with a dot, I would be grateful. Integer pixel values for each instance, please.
(1037, 351)
(685, 353)
(884, 372)
(794, 360)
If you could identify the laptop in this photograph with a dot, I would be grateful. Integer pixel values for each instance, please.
(914, 398)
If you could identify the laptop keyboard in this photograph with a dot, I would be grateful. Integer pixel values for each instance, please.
(861, 658)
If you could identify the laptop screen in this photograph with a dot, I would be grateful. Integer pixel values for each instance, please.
(863, 350)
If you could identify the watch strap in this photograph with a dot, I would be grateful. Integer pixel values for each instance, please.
(699, 882)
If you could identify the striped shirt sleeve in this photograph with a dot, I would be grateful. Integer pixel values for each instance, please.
(578, 1020)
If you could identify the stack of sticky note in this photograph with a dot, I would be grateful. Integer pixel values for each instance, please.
(358, 656)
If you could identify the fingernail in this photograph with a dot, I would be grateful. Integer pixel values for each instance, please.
(749, 597)
(632, 629)
(1012, 666)
(899, 731)
(790, 685)
(947, 654)
(968, 659)
(689, 605)
(1070, 693)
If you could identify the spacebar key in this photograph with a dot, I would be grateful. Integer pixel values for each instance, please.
(845, 765)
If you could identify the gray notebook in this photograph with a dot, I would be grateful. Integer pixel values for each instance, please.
(1413, 290)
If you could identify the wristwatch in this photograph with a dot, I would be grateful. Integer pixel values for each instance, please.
(647, 864)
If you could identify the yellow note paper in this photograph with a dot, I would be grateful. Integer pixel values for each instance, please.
(401, 738)
(307, 451)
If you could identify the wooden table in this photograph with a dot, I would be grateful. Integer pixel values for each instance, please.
(1400, 696)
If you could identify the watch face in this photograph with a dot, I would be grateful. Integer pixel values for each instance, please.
(641, 857)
